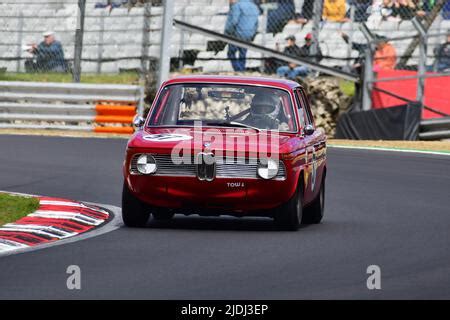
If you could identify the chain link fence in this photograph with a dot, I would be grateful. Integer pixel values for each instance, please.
(286, 38)
(39, 36)
(121, 35)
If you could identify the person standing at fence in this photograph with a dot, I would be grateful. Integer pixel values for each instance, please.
(361, 10)
(277, 18)
(49, 55)
(385, 55)
(242, 23)
(292, 70)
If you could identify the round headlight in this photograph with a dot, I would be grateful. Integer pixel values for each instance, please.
(267, 168)
(146, 164)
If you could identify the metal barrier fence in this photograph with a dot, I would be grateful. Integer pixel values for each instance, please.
(434, 129)
(69, 106)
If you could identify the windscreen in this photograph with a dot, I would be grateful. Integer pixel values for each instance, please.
(224, 105)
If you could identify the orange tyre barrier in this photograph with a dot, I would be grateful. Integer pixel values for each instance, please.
(115, 110)
(120, 130)
(110, 112)
(114, 119)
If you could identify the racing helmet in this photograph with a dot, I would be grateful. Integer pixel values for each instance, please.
(265, 105)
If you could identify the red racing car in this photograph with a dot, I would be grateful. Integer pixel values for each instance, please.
(214, 145)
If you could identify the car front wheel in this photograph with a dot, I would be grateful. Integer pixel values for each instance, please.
(314, 213)
(135, 213)
(289, 215)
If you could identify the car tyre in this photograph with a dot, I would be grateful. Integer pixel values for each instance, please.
(135, 213)
(289, 215)
(313, 214)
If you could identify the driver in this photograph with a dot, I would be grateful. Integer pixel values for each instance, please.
(265, 112)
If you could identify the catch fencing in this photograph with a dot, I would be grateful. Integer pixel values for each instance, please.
(121, 37)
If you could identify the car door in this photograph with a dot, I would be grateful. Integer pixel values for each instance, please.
(306, 119)
(315, 147)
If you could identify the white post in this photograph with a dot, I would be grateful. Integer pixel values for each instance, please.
(318, 9)
(182, 39)
(368, 69)
(422, 67)
(145, 38)
(78, 41)
(266, 8)
(100, 43)
(164, 57)
(349, 48)
(19, 41)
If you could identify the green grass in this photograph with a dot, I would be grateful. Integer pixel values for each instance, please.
(12, 208)
(347, 87)
(117, 78)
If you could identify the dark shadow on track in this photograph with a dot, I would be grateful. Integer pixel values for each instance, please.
(217, 223)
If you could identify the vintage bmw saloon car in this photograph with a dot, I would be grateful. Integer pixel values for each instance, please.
(214, 145)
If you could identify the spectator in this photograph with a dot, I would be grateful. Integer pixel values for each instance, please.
(361, 48)
(277, 18)
(362, 8)
(446, 10)
(49, 55)
(407, 9)
(400, 9)
(308, 9)
(426, 7)
(442, 53)
(293, 70)
(306, 13)
(385, 55)
(334, 11)
(242, 23)
(110, 4)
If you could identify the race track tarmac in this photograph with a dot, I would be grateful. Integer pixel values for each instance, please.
(382, 208)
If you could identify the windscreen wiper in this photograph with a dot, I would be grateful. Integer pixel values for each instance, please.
(232, 124)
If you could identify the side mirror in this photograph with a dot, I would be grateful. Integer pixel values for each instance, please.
(138, 122)
(309, 130)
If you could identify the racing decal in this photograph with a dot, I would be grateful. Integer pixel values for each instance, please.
(55, 219)
(314, 170)
(166, 137)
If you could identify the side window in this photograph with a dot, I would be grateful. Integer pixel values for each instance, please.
(309, 116)
(301, 108)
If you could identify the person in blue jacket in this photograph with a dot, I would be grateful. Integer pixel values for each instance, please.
(49, 54)
(242, 23)
(279, 17)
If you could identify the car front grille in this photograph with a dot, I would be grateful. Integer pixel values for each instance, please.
(225, 168)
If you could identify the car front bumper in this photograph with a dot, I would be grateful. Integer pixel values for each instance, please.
(233, 194)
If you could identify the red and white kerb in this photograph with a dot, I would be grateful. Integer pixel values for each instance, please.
(55, 219)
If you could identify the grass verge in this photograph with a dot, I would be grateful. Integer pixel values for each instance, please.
(437, 146)
(117, 78)
(347, 87)
(13, 207)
